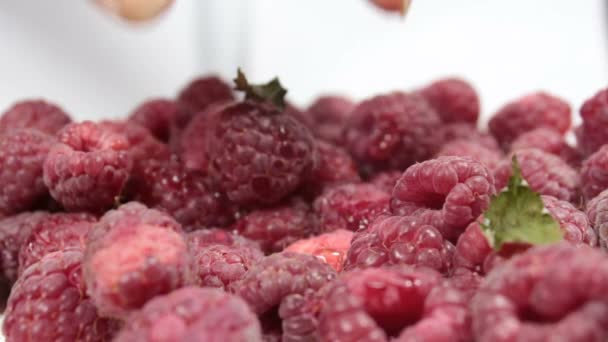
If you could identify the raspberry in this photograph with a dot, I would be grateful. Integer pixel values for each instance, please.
(142, 145)
(88, 168)
(460, 131)
(205, 237)
(203, 91)
(55, 232)
(545, 173)
(350, 206)
(372, 304)
(573, 222)
(330, 114)
(447, 192)
(300, 316)
(193, 314)
(22, 154)
(386, 180)
(519, 301)
(275, 228)
(399, 240)
(37, 114)
(453, 99)
(300, 116)
(597, 212)
(550, 141)
(159, 116)
(392, 131)
(527, 113)
(335, 167)
(472, 249)
(192, 140)
(260, 155)
(329, 247)
(466, 148)
(594, 177)
(48, 303)
(132, 214)
(220, 265)
(592, 133)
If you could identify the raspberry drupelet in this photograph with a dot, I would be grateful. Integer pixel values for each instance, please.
(592, 134)
(36, 114)
(329, 247)
(453, 99)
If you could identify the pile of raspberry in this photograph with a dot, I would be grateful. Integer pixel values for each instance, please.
(221, 216)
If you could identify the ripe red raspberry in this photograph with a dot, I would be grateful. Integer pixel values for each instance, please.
(193, 314)
(203, 91)
(132, 214)
(329, 247)
(220, 265)
(527, 113)
(335, 166)
(594, 173)
(55, 232)
(550, 141)
(142, 145)
(597, 212)
(299, 314)
(472, 249)
(215, 236)
(466, 148)
(460, 131)
(275, 228)
(160, 116)
(88, 168)
(386, 180)
(592, 134)
(350, 206)
(518, 301)
(330, 114)
(37, 114)
(48, 303)
(545, 173)
(303, 117)
(447, 193)
(22, 154)
(392, 131)
(453, 99)
(399, 240)
(573, 222)
(192, 146)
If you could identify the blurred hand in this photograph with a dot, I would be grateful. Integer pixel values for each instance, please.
(135, 10)
(400, 6)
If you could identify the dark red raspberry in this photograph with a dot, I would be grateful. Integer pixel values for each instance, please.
(203, 91)
(159, 116)
(88, 168)
(192, 146)
(55, 232)
(386, 180)
(573, 222)
(592, 134)
(447, 193)
(467, 148)
(392, 131)
(460, 131)
(48, 303)
(545, 173)
(518, 301)
(330, 114)
(329, 247)
(22, 154)
(299, 314)
(527, 113)
(453, 99)
(303, 117)
(193, 314)
(597, 212)
(142, 144)
(335, 166)
(548, 140)
(594, 173)
(37, 114)
(350, 206)
(215, 236)
(220, 265)
(399, 240)
(275, 228)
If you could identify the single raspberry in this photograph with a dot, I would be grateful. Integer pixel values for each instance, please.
(275, 228)
(329, 247)
(48, 303)
(192, 147)
(215, 236)
(519, 301)
(527, 113)
(550, 141)
(22, 154)
(454, 99)
(193, 314)
(594, 174)
(597, 212)
(399, 240)
(55, 232)
(460, 131)
(386, 180)
(335, 166)
(159, 116)
(142, 144)
(350, 206)
(299, 314)
(467, 148)
(220, 265)
(330, 113)
(573, 222)
(545, 173)
(472, 249)
(447, 192)
(203, 91)
(37, 114)
(133, 214)
(392, 131)
(592, 133)
(88, 168)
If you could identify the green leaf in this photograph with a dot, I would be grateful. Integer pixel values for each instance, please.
(518, 215)
(272, 91)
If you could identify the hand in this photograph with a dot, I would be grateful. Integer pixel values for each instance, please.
(400, 6)
(135, 10)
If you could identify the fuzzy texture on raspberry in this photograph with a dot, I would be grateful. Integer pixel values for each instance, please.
(159, 116)
(299, 314)
(594, 173)
(330, 113)
(275, 228)
(335, 166)
(519, 301)
(350, 206)
(192, 140)
(392, 131)
(460, 131)
(215, 236)
(55, 232)
(22, 154)
(259, 154)
(592, 134)
(88, 168)
(278, 275)
(48, 303)
(447, 193)
(544, 172)
(193, 314)
(203, 91)
(132, 214)
(548, 140)
(597, 212)
(37, 114)
(329, 247)
(400, 240)
(535, 110)
(142, 144)
(386, 180)
(454, 99)
(467, 148)
(573, 222)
